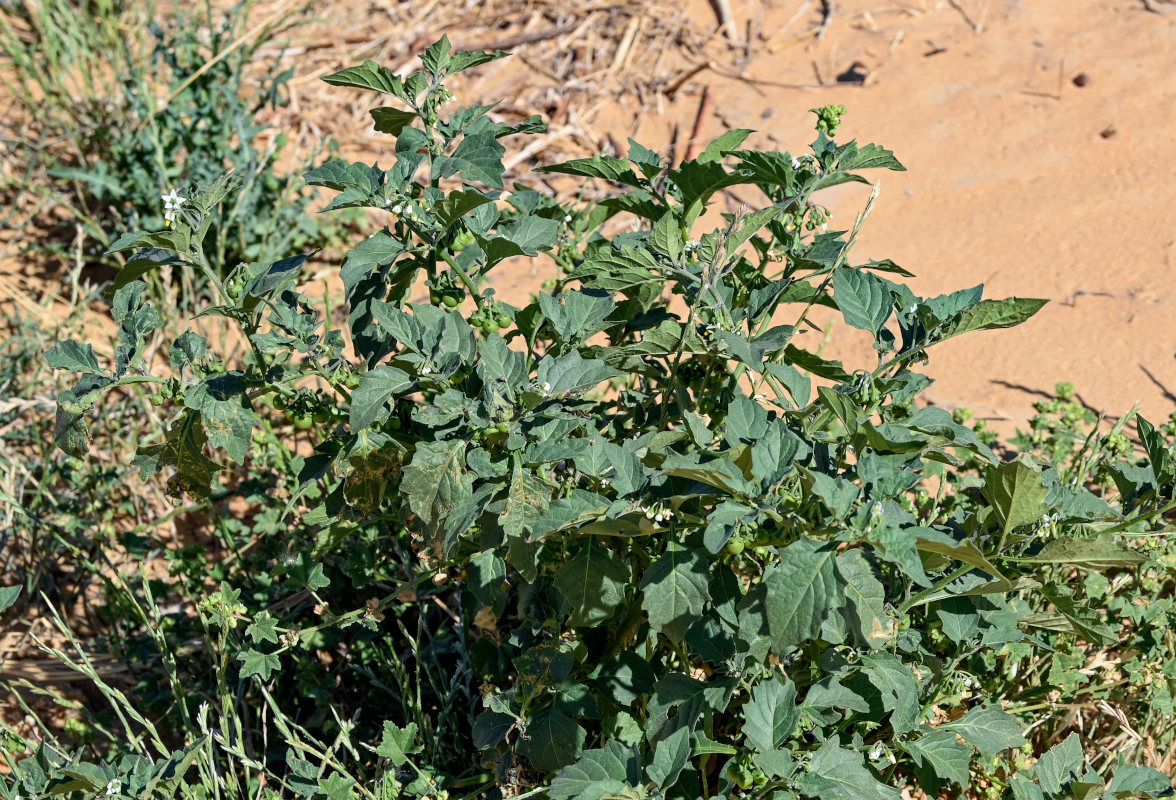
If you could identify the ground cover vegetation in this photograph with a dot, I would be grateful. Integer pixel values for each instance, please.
(632, 539)
(113, 109)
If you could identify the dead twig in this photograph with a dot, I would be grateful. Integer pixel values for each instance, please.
(696, 131)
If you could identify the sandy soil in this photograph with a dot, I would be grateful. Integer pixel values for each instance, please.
(1038, 134)
(1039, 138)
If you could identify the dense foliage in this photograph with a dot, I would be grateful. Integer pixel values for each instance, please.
(633, 539)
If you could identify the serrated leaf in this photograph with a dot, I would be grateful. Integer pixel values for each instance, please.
(477, 158)
(435, 482)
(598, 773)
(263, 628)
(898, 688)
(263, 665)
(571, 374)
(599, 166)
(674, 590)
(340, 175)
(73, 356)
(1059, 765)
(368, 75)
(376, 388)
(988, 729)
(593, 582)
(397, 744)
(945, 754)
(373, 253)
(577, 315)
(771, 713)
(865, 610)
(835, 773)
(802, 590)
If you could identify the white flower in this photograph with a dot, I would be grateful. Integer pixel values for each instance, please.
(567, 217)
(692, 245)
(824, 226)
(795, 162)
(171, 204)
(546, 387)
(113, 788)
(396, 209)
(426, 370)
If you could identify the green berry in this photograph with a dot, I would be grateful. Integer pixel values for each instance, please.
(352, 381)
(490, 326)
(450, 301)
(303, 422)
(734, 547)
(396, 424)
(322, 416)
(503, 320)
(280, 402)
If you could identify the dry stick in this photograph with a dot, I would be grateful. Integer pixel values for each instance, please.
(520, 39)
(967, 18)
(703, 107)
(727, 19)
(680, 81)
(828, 9)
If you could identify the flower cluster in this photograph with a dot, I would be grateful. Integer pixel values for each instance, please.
(171, 204)
(657, 512)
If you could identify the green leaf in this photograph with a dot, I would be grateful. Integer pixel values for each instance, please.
(947, 756)
(307, 574)
(988, 729)
(183, 450)
(896, 684)
(1017, 494)
(593, 582)
(376, 388)
(8, 596)
(262, 665)
(552, 740)
(263, 628)
(771, 713)
(225, 412)
(666, 236)
(669, 757)
(435, 482)
(369, 75)
(457, 204)
(1100, 553)
(570, 374)
(802, 590)
(865, 611)
(992, 314)
(598, 773)
(477, 158)
(373, 253)
(1059, 765)
(599, 166)
(863, 299)
(340, 175)
(577, 315)
(674, 590)
(73, 356)
(870, 156)
(839, 774)
(397, 744)
(392, 120)
(526, 503)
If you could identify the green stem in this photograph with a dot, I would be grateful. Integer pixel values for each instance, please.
(461, 273)
(923, 596)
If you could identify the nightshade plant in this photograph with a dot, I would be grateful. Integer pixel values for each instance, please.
(684, 555)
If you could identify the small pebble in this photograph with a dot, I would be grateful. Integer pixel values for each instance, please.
(1108, 132)
(1081, 79)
